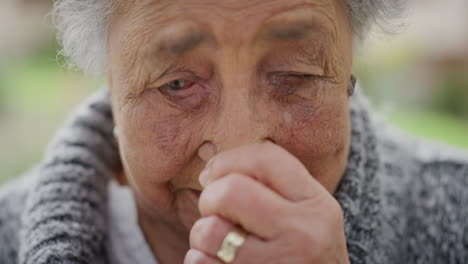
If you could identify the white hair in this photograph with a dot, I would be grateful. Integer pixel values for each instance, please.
(82, 31)
(82, 27)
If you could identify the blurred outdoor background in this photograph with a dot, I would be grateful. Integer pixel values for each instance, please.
(417, 79)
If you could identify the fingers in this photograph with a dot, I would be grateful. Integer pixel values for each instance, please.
(208, 234)
(194, 256)
(245, 201)
(269, 164)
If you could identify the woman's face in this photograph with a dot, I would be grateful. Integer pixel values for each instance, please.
(190, 78)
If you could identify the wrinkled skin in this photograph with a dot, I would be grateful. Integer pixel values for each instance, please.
(192, 79)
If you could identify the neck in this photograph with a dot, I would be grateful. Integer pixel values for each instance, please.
(168, 242)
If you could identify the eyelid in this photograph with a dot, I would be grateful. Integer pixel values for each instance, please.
(288, 82)
(292, 73)
(295, 65)
(178, 93)
(197, 69)
(301, 60)
(173, 75)
(177, 74)
(302, 66)
(286, 74)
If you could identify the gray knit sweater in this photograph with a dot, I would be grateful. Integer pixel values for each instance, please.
(404, 200)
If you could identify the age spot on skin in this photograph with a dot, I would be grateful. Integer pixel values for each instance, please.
(287, 118)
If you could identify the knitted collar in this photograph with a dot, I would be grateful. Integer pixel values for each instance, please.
(65, 214)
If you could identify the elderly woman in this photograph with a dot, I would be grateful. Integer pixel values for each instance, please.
(231, 132)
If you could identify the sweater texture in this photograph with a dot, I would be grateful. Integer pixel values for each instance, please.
(404, 199)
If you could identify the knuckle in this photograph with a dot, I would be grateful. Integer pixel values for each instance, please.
(196, 235)
(319, 234)
(234, 181)
(308, 236)
(215, 164)
(334, 212)
(213, 222)
(195, 257)
(209, 202)
(205, 229)
(301, 243)
(227, 191)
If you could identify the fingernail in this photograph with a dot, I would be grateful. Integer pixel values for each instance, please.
(207, 151)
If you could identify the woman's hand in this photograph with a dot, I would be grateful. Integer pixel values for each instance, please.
(289, 216)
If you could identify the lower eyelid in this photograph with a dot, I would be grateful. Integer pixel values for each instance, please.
(196, 90)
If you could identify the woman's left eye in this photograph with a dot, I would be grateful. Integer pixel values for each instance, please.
(294, 86)
(287, 83)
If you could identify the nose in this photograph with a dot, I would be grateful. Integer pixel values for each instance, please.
(239, 122)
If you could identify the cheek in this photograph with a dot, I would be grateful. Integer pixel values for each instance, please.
(159, 142)
(317, 134)
(323, 134)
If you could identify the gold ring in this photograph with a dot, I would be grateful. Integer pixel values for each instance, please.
(231, 243)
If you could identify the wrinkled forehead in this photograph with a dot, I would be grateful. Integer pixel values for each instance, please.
(231, 6)
(229, 20)
(176, 26)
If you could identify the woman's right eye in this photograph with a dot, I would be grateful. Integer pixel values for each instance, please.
(178, 85)
(187, 94)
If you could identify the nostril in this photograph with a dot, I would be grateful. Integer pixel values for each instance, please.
(269, 140)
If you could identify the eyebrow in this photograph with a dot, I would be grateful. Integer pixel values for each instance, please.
(277, 31)
(185, 43)
(292, 31)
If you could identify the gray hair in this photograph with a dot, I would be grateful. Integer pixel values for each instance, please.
(82, 27)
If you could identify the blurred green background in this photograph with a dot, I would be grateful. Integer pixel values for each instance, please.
(417, 80)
